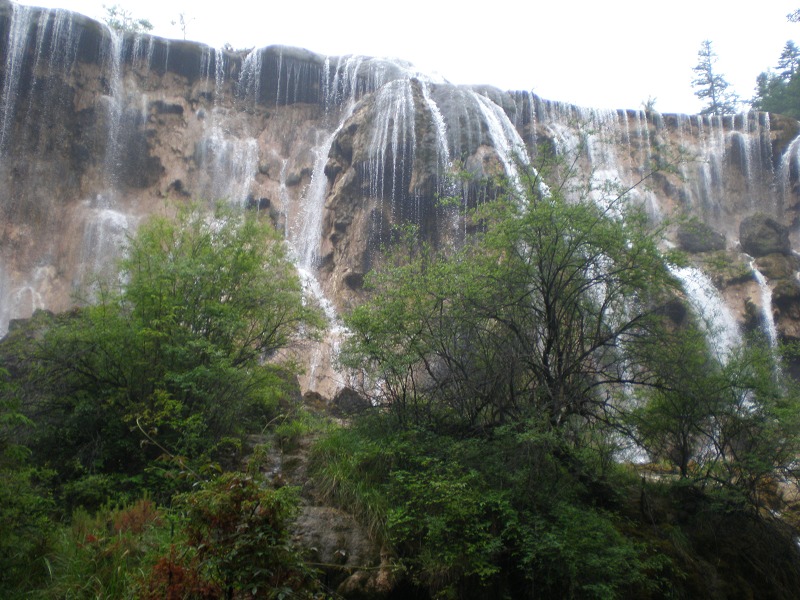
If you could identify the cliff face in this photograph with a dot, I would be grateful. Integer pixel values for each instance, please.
(98, 130)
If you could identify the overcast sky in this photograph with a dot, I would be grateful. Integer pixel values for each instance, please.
(604, 54)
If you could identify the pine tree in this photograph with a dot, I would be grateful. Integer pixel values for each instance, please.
(789, 61)
(778, 91)
(711, 86)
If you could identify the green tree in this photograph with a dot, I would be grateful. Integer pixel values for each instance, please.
(239, 531)
(539, 316)
(507, 375)
(789, 61)
(121, 19)
(182, 353)
(711, 86)
(24, 503)
(780, 92)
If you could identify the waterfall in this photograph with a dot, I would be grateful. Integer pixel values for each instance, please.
(113, 66)
(261, 127)
(790, 166)
(443, 151)
(105, 234)
(767, 317)
(305, 236)
(142, 52)
(249, 84)
(227, 163)
(714, 316)
(506, 140)
(392, 145)
(15, 55)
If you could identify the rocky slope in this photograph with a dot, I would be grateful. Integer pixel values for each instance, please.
(99, 130)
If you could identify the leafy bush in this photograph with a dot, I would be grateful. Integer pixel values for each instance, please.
(176, 361)
(238, 531)
(103, 555)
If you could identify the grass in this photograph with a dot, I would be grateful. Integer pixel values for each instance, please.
(348, 472)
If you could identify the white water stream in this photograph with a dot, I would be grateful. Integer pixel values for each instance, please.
(767, 317)
(616, 147)
(714, 316)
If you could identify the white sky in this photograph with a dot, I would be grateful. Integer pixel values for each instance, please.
(604, 54)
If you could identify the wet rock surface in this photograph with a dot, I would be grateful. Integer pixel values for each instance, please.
(100, 130)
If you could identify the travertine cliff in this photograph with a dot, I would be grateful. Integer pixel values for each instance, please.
(99, 129)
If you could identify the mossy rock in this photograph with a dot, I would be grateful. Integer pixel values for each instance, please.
(725, 268)
(777, 266)
(695, 237)
(761, 235)
(786, 292)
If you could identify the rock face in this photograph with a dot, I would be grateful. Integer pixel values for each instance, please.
(760, 235)
(696, 237)
(98, 130)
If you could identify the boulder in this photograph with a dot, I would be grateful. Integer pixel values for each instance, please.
(351, 561)
(695, 236)
(348, 402)
(777, 266)
(760, 235)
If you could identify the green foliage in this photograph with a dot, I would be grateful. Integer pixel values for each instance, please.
(477, 518)
(447, 524)
(239, 532)
(104, 555)
(506, 375)
(228, 538)
(540, 314)
(25, 525)
(733, 425)
(350, 467)
(121, 19)
(25, 505)
(294, 427)
(174, 361)
(578, 552)
(711, 86)
(779, 91)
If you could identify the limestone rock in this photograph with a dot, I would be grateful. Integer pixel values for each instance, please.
(761, 234)
(699, 237)
(342, 548)
(103, 139)
(347, 402)
(778, 266)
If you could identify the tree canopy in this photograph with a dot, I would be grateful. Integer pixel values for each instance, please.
(511, 377)
(121, 19)
(174, 355)
(778, 90)
(710, 85)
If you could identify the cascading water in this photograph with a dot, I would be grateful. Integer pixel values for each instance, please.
(391, 152)
(789, 169)
(767, 317)
(304, 237)
(249, 127)
(714, 316)
(506, 140)
(15, 53)
(105, 234)
(115, 102)
(227, 162)
(249, 84)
